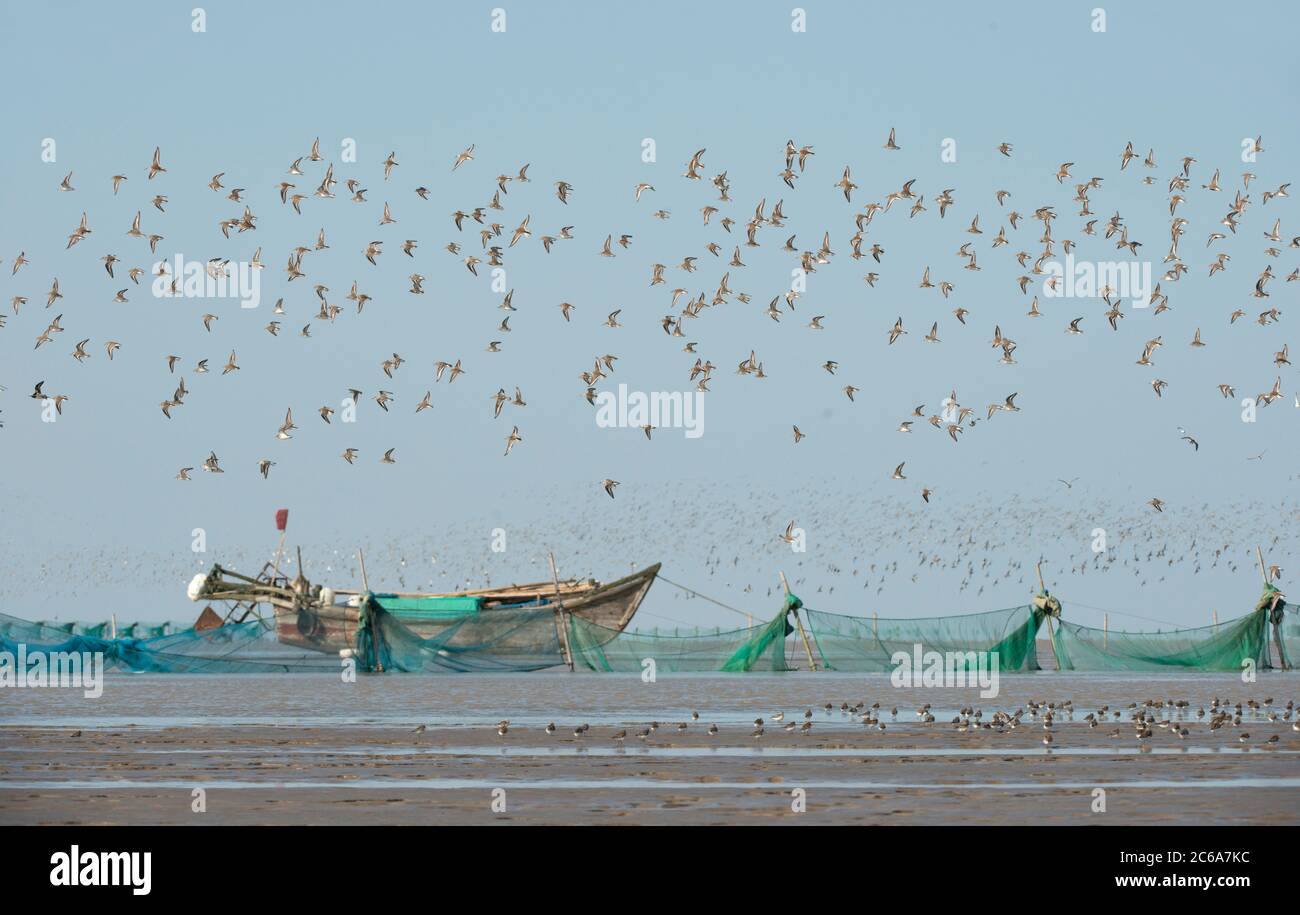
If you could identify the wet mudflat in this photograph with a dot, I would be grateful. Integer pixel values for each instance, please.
(309, 749)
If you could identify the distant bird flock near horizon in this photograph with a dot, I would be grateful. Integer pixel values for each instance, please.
(1020, 239)
(1157, 571)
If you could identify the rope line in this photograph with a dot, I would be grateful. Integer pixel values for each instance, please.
(660, 616)
(1066, 600)
(694, 593)
(1136, 616)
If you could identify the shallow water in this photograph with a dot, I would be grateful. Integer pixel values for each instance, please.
(312, 749)
(476, 700)
(671, 752)
(554, 784)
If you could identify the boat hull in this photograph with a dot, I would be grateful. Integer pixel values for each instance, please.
(504, 625)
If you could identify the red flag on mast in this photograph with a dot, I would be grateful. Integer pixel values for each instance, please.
(281, 519)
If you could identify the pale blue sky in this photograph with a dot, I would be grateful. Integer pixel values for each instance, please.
(94, 522)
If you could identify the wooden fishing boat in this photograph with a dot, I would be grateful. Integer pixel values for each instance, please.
(328, 620)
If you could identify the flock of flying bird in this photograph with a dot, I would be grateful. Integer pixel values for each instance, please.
(1028, 254)
(1157, 571)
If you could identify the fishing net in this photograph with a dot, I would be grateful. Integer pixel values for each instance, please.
(105, 630)
(736, 650)
(1223, 647)
(836, 642)
(388, 633)
(1290, 636)
(502, 640)
(1284, 624)
(859, 644)
(248, 647)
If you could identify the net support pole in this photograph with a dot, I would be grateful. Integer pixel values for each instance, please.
(561, 618)
(1105, 631)
(1051, 631)
(1277, 626)
(370, 616)
(807, 646)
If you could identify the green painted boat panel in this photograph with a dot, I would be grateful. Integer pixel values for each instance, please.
(437, 608)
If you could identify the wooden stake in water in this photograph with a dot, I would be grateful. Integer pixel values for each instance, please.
(365, 583)
(1042, 589)
(1214, 615)
(807, 646)
(561, 618)
(1105, 630)
(1277, 626)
